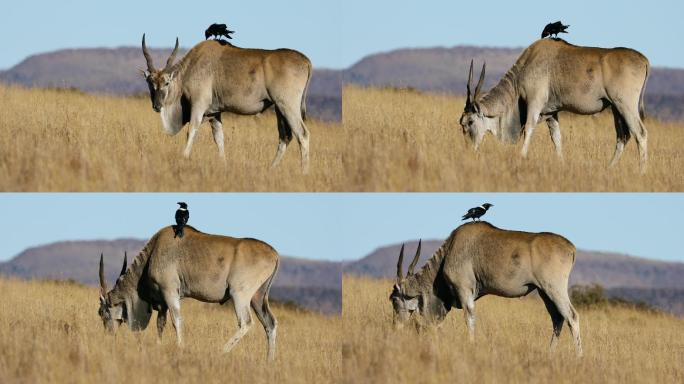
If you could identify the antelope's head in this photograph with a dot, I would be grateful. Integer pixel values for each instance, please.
(415, 300)
(158, 80)
(405, 300)
(473, 121)
(112, 312)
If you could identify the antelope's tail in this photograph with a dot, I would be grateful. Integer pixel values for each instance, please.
(306, 89)
(642, 113)
(269, 282)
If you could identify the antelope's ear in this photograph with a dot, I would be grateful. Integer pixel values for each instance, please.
(144, 73)
(102, 300)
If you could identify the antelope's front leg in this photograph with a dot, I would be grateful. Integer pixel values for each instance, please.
(161, 322)
(468, 304)
(172, 301)
(195, 121)
(533, 112)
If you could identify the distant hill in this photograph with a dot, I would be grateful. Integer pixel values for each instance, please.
(445, 70)
(658, 283)
(311, 284)
(115, 71)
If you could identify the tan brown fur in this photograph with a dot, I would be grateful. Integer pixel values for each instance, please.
(209, 268)
(551, 76)
(478, 259)
(215, 77)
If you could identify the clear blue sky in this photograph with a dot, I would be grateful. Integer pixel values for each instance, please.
(652, 27)
(337, 33)
(29, 27)
(348, 226)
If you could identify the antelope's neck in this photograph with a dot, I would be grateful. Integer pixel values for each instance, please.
(172, 111)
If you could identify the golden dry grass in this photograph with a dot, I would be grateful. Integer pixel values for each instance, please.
(411, 141)
(621, 345)
(50, 332)
(70, 141)
(390, 140)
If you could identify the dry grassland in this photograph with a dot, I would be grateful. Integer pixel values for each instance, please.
(411, 141)
(51, 332)
(390, 140)
(68, 141)
(621, 345)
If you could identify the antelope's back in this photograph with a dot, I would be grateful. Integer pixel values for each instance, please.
(198, 251)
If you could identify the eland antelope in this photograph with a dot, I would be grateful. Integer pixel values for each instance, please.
(215, 76)
(208, 268)
(478, 259)
(551, 76)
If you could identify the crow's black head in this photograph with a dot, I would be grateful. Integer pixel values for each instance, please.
(182, 204)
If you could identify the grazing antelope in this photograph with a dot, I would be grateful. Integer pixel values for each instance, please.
(479, 259)
(215, 76)
(208, 268)
(551, 76)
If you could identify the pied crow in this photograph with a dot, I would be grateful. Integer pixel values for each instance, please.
(217, 30)
(182, 216)
(554, 29)
(477, 212)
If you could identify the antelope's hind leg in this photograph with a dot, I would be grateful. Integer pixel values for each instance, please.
(630, 115)
(269, 322)
(284, 136)
(623, 136)
(559, 297)
(556, 318)
(294, 118)
(554, 130)
(217, 132)
(244, 320)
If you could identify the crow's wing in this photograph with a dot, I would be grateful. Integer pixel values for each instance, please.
(221, 28)
(182, 217)
(470, 213)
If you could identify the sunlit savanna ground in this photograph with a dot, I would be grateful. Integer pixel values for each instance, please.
(51, 332)
(411, 141)
(389, 140)
(621, 345)
(69, 141)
